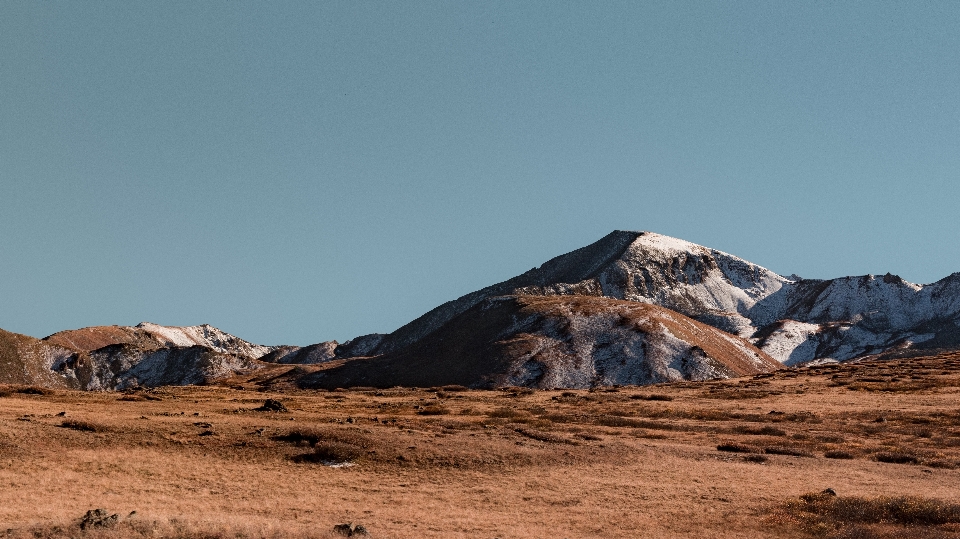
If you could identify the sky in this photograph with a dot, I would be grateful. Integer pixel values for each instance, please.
(295, 172)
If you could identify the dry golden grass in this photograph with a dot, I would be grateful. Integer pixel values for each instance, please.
(449, 462)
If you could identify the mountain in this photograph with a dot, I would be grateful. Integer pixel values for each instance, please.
(633, 307)
(569, 341)
(792, 319)
(152, 336)
(120, 357)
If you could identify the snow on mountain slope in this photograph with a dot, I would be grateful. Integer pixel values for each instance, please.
(551, 341)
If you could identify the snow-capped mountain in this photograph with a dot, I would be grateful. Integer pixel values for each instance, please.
(794, 320)
(617, 311)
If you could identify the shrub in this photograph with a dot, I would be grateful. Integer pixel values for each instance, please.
(766, 430)
(788, 451)
(84, 426)
(301, 435)
(652, 397)
(837, 454)
(509, 413)
(903, 510)
(896, 458)
(434, 409)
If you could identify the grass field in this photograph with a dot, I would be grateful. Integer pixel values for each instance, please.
(737, 458)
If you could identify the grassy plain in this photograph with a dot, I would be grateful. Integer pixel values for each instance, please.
(717, 459)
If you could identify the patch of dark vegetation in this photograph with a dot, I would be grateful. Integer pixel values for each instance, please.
(271, 405)
(619, 421)
(434, 409)
(766, 430)
(736, 394)
(84, 426)
(733, 447)
(541, 436)
(332, 446)
(892, 457)
(98, 518)
(788, 451)
(300, 436)
(838, 454)
(824, 514)
(652, 397)
(26, 390)
(505, 412)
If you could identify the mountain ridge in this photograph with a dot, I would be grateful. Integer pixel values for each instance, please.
(787, 319)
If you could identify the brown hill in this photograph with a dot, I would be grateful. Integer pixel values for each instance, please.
(555, 341)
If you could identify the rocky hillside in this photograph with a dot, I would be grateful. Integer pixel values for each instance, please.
(29, 361)
(556, 341)
(152, 336)
(120, 357)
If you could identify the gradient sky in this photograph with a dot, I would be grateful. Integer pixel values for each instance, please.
(298, 172)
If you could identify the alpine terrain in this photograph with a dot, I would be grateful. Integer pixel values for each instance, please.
(631, 308)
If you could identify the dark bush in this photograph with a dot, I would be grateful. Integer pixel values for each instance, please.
(84, 426)
(618, 421)
(766, 430)
(734, 447)
(652, 397)
(896, 458)
(434, 409)
(788, 451)
(903, 510)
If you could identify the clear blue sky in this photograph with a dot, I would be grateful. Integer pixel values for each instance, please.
(298, 172)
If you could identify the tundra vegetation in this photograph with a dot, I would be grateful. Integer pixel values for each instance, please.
(745, 457)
